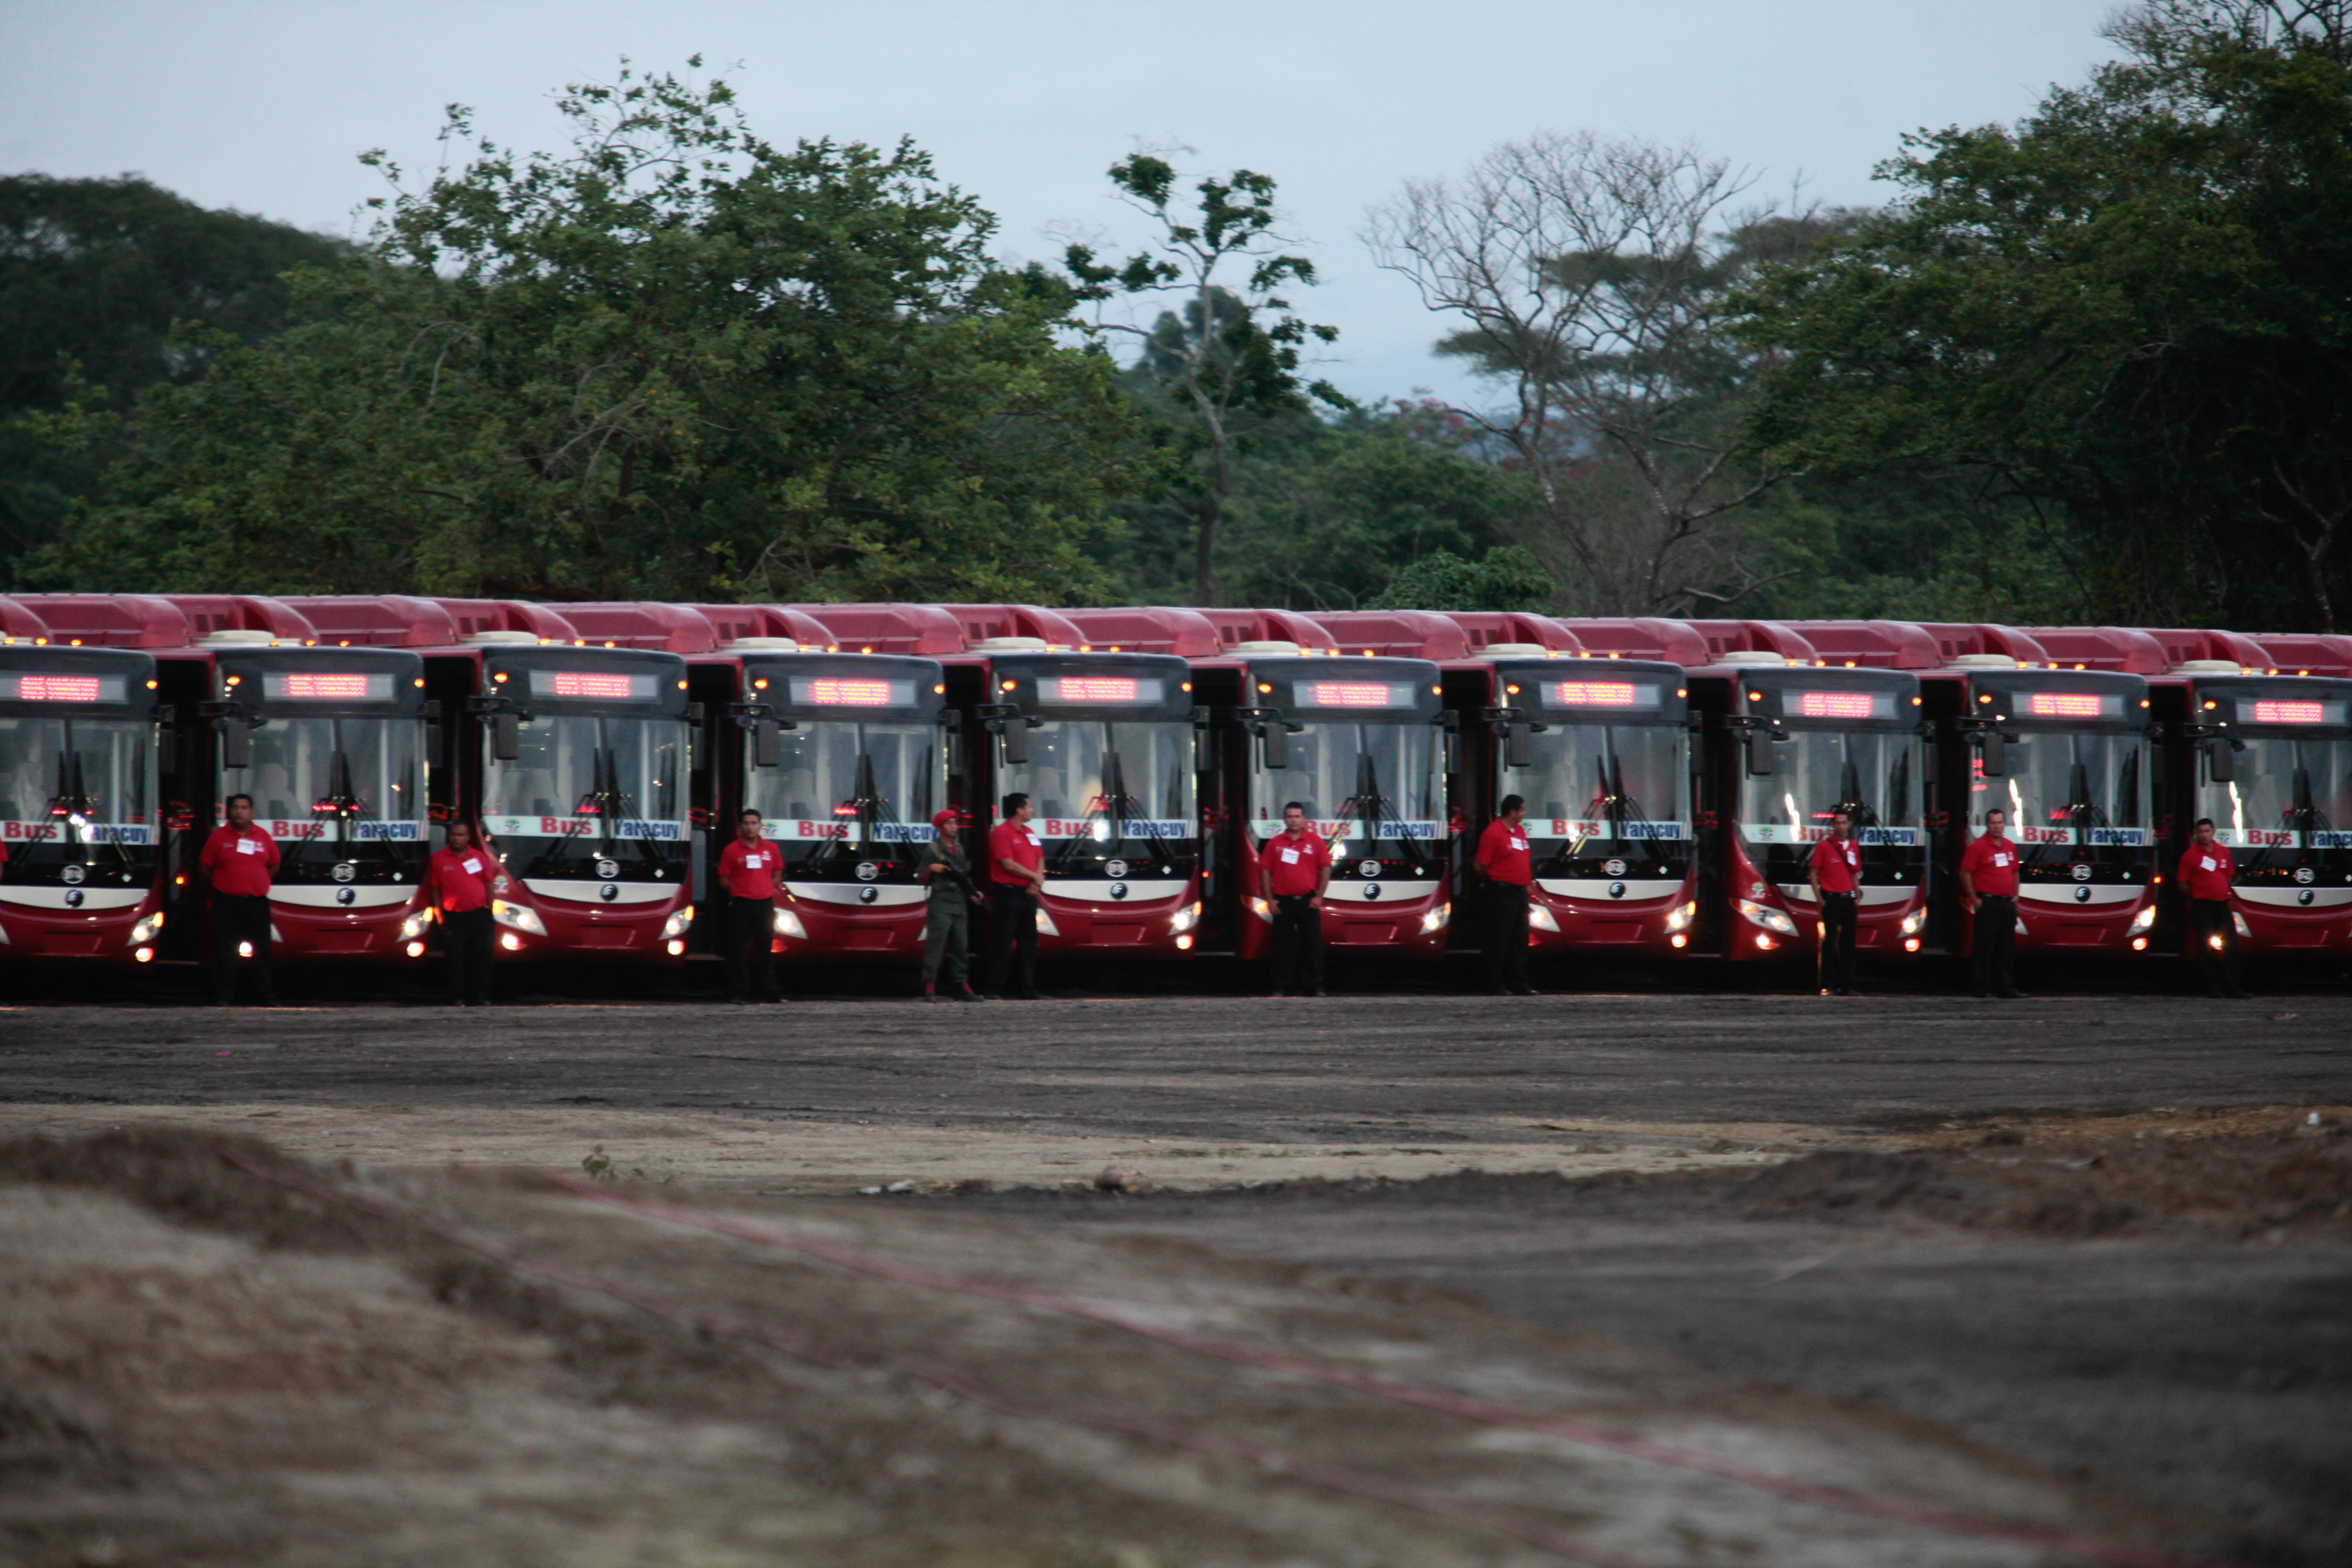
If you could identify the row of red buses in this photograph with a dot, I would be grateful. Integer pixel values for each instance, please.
(1676, 772)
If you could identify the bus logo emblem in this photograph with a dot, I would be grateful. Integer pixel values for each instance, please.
(1371, 891)
(608, 893)
(73, 896)
(2083, 894)
(1119, 890)
(345, 895)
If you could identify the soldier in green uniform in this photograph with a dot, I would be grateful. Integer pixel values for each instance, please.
(948, 922)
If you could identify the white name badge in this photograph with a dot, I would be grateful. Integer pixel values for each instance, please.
(475, 867)
(1518, 843)
(2206, 862)
(1290, 857)
(251, 847)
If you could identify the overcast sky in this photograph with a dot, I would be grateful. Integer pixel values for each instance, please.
(264, 104)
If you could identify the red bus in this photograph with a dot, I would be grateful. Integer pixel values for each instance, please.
(80, 808)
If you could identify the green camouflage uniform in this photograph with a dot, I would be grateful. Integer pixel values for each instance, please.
(948, 921)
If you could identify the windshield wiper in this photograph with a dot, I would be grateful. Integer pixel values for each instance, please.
(1374, 807)
(73, 804)
(604, 801)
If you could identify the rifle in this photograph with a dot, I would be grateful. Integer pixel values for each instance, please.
(949, 868)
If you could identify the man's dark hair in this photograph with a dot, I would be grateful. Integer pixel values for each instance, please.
(748, 815)
(1290, 806)
(1992, 811)
(1512, 802)
(1014, 801)
(1840, 811)
(2204, 823)
(452, 826)
(233, 799)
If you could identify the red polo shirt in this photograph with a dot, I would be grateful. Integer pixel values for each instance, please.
(1838, 863)
(239, 862)
(1018, 843)
(1294, 866)
(1993, 863)
(1503, 854)
(460, 884)
(2206, 871)
(750, 869)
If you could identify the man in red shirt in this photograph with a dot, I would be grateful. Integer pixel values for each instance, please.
(2206, 872)
(237, 860)
(1016, 875)
(1293, 870)
(1835, 868)
(459, 881)
(1503, 858)
(1988, 892)
(747, 925)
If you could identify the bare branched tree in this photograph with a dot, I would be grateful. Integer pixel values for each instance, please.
(1591, 275)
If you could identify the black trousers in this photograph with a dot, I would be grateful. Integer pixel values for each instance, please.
(2217, 965)
(747, 928)
(1507, 937)
(1996, 945)
(466, 943)
(1297, 943)
(241, 917)
(1012, 932)
(1838, 925)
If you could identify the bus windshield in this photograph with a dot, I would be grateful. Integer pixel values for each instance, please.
(2290, 802)
(849, 792)
(1103, 787)
(1607, 790)
(2079, 795)
(588, 787)
(1874, 775)
(336, 790)
(77, 791)
(1370, 788)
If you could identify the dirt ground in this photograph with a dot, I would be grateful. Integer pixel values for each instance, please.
(214, 1356)
(1648, 1281)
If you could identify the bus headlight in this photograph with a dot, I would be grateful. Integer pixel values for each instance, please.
(1912, 921)
(145, 930)
(411, 928)
(789, 924)
(1185, 920)
(1772, 920)
(1540, 919)
(1262, 908)
(2237, 924)
(518, 917)
(1436, 920)
(1680, 919)
(1046, 926)
(2144, 919)
(676, 923)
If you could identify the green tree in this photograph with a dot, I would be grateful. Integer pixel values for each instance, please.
(2126, 313)
(1504, 578)
(1224, 364)
(670, 360)
(95, 274)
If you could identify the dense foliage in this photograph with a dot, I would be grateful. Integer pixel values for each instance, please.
(95, 273)
(671, 360)
(2126, 315)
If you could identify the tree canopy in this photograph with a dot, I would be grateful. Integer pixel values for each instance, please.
(97, 273)
(669, 360)
(2128, 313)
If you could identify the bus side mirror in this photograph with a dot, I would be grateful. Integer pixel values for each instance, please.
(1996, 755)
(236, 743)
(767, 745)
(506, 736)
(1278, 744)
(2222, 761)
(1518, 751)
(433, 746)
(1016, 739)
(167, 749)
(1760, 754)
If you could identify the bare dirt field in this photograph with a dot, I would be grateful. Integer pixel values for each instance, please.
(1649, 1280)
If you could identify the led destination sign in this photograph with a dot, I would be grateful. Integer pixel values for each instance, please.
(603, 685)
(1844, 705)
(1601, 693)
(2073, 704)
(1352, 693)
(1099, 691)
(323, 686)
(63, 688)
(2268, 711)
(851, 691)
